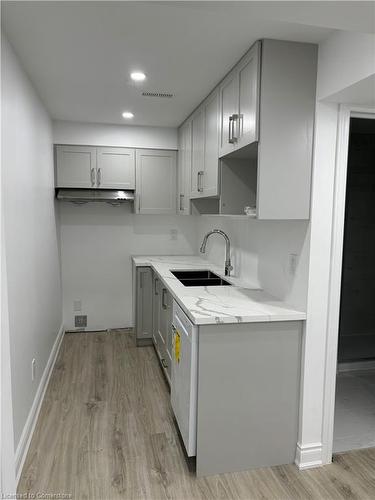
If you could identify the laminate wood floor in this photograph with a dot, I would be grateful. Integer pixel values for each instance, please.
(106, 431)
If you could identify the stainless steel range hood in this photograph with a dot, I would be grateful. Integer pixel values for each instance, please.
(79, 196)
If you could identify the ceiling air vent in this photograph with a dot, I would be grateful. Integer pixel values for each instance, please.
(157, 94)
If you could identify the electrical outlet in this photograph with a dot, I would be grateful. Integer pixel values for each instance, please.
(33, 369)
(174, 234)
(80, 321)
(77, 305)
(293, 263)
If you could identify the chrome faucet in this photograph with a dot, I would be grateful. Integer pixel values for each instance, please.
(228, 266)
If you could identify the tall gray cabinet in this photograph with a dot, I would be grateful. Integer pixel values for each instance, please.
(143, 309)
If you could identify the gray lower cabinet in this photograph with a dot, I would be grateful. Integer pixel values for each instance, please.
(144, 297)
(248, 395)
(164, 331)
(155, 311)
(162, 324)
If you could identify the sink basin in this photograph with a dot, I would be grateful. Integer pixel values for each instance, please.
(200, 278)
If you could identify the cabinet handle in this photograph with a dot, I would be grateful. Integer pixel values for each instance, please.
(182, 196)
(235, 119)
(240, 123)
(139, 202)
(164, 363)
(155, 287)
(200, 184)
(92, 176)
(99, 180)
(232, 120)
(164, 293)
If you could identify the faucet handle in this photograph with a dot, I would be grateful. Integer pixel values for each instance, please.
(228, 268)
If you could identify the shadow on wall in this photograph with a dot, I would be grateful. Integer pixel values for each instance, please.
(262, 254)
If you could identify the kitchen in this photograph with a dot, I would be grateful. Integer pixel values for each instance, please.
(180, 222)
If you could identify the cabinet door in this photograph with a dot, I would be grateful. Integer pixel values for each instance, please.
(228, 113)
(197, 154)
(144, 303)
(165, 330)
(115, 168)
(248, 82)
(211, 154)
(75, 166)
(155, 182)
(184, 169)
(155, 311)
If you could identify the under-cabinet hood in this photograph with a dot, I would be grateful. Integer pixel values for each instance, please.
(113, 196)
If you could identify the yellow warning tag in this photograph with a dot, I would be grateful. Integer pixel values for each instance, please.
(177, 346)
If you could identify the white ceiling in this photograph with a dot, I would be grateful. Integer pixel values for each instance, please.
(79, 54)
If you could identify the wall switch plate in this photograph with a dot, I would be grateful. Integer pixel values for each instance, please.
(80, 321)
(174, 234)
(33, 369)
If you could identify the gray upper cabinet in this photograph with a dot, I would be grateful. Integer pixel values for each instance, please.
(197, 154)
(116, 168)
(264, 135)
(239, 98)
(248, 97)
(155, 181)
(184, 169)
(287, 107)
(205, 166)
(76, 166)
(210, 178)
(228, 109)
(95, 167)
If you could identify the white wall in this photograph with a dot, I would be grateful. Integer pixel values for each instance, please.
(31, 233)
(94, 134)
(345, 58)
(97, 241)
(260, 253)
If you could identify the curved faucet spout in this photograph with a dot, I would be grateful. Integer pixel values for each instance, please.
(228, 266)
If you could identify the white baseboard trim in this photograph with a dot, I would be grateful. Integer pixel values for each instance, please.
(32, 418)
(309, 456)
(356, 365)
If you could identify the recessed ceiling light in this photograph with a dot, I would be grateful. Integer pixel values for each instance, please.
(137, 76)
(127, 115)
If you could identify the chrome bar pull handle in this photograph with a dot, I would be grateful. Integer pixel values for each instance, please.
(99, 176)
(164, 293)
(234, 121)
(200, 183)
(92, 176)
(182, 196)
(155, 286)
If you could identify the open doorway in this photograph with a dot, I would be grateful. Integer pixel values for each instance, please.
(355, 384)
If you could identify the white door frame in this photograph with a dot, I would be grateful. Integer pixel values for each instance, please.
(345, 113)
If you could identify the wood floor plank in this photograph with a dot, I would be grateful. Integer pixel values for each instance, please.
(106, 431)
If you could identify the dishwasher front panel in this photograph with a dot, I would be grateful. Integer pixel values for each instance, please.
(184, 377)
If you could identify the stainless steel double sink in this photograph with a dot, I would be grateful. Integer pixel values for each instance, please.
(202, 277)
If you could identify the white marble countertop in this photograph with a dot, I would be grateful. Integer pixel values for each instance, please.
(240, 303)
